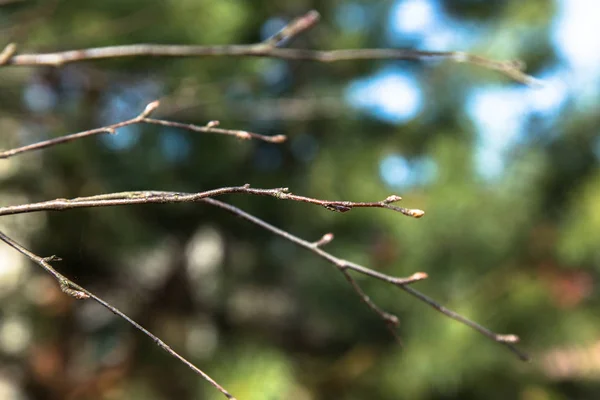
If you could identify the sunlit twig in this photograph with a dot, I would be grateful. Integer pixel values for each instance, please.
(142, 118)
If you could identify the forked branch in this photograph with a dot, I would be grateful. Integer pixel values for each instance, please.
(147, 197)
(160, 197)
(268, 48)
(508, 340)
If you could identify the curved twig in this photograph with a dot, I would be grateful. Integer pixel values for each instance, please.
(142, 118)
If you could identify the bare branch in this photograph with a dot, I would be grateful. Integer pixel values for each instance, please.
(159, 197)
(71, 288)
(402, 283)
(512, 69)
(142, 118)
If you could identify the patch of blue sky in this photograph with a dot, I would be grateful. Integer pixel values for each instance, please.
(39, 97)
(424, 23)
(122, 104)
(271, 27)
(118, 108)
(576, 38)
(398, 172)
(500, 113)
(391, 94)
(352, 17)
(413, 17)
(175, 145)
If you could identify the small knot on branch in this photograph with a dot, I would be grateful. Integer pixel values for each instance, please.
(78, 294)
(281, 193)
(393, 320)
(212, 124)
(52, 258)
(510, 338)
(65, 287)
(337, 207)
(243, 135)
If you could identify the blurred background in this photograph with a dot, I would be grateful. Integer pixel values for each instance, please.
(508, 177)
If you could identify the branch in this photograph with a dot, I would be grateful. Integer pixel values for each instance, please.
(147, 197)
(71, 288)
(512, 69)
(402, 283)
(159, 197)
(142, 118)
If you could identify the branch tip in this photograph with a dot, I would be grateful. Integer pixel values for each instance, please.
(278, 139)
(294, 28)
(416, 213)
(327, 238)
(392, 199)
(309, 19)
(7, 53)
(417, 276)
(150, 108)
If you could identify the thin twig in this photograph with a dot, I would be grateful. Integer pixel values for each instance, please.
(268, 48)
(142, 118)
(507, 340)
(160, 197)
(7, 53)
(71, 288)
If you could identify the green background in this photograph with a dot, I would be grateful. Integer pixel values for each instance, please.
(517, 252)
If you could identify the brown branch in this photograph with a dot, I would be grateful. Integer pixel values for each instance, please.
(7, 53)
(268, 48)
(159, 197)
(142, 118)
(71, 288)
(343, 265)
